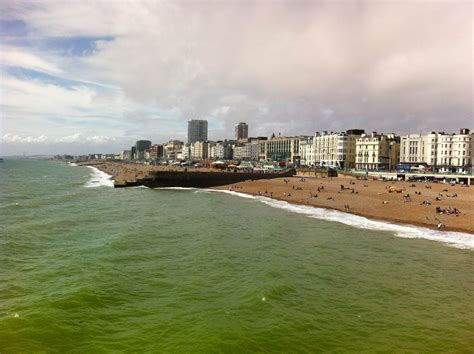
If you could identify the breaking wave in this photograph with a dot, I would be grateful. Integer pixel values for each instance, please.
(99, 179)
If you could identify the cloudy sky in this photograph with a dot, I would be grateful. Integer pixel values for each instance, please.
(87, 76)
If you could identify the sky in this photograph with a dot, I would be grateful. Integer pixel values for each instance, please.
(94, 76)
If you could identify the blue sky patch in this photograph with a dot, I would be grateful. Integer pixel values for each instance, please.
(28, 74)
(74, 46)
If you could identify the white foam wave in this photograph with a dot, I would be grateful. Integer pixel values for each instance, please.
(454, 239)
(72, 164)
(99, 178)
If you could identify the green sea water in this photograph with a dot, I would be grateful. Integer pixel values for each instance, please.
(96, 269)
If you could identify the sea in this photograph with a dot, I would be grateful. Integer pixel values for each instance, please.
(86, 268)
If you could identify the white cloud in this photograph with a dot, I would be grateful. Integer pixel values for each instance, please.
(16, 57)
(70, 139)
(14, 138)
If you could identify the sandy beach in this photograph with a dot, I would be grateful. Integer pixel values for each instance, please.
(399, 202)
(374, 199)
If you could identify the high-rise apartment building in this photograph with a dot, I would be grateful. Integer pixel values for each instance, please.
(197, 130)
(241, 131)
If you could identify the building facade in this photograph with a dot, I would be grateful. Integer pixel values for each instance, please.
(155, 152)
(336, 150)
(221, 150)
(439, 151)
(285, 149)
(172, 149)
(197, 130)
(199, 150)
(377, 152)
(307, 152)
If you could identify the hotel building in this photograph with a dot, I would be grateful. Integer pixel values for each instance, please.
(281, 148)
(375, 152)
(440, 151)
(337, 150)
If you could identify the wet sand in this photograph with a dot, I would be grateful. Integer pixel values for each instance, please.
(372, 199)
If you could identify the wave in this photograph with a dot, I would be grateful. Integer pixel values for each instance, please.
(99, 178)
(72, 164)
(455, 239)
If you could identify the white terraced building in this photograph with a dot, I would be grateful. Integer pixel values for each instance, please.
(337, 150)
(443, 152)
(281, 148)
(307, 152)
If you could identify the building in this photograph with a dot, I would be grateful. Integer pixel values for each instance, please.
(155, 152)
(439, 151)
(281, 148)
(462, 151)
(418, 149)
(171, 149)
(200, 150)
(185, 152)
(221, 150)
(140, 147)
(247, 149)
(197, 130)
(126, 155)
(336, 150)
(241, 131)
(377, 152)
(307, 152)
